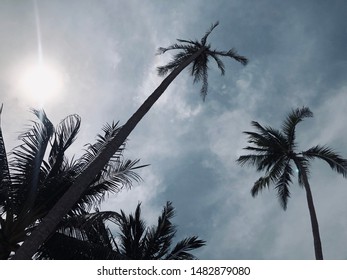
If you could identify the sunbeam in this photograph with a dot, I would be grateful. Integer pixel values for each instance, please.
(37, 79)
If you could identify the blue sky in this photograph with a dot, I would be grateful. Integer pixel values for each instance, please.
(104, 53)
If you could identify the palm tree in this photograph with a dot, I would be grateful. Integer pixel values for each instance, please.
(274, 151)
(34, 177)
(88, 237)
(195, 52)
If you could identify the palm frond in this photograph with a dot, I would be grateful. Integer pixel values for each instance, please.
(133, 234)
(282, 185)
(120, 175)
(5, 179)
(260, 184)
(261, 162)
(295, 117)
(90, 227)
(274, 170)
(64, 136)
(28, 172)
(260, 140)
(232, 53)
(162, 50)
(93, 150)
(335, 161)
(180, 251)
(199, 70)
(268, 137)
(219, 62)
(159, 238)
(189, 42)
(269, 145)
(204, 39)
(174, 63)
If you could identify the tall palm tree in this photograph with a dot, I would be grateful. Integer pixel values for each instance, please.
(37, 173)
(274, 151)
(88, 237)
(196, 53)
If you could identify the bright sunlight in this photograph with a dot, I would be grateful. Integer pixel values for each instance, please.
(40, 82)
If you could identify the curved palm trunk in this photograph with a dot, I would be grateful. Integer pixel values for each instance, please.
(62, 207)
(314, 221)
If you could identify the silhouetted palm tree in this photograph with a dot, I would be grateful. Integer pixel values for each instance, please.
(35, 177)
(88, 237)
(275, 152)
(195, 52)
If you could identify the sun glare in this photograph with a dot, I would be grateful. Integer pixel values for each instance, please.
(40, 83)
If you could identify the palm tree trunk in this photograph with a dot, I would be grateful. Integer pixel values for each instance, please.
(63, 206)
(314, 221)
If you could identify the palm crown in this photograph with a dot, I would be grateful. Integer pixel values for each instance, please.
(140, 242)
(275, 152)
(199, 67)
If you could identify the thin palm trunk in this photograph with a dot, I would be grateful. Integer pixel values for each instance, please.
(62, 207)
(314, 221)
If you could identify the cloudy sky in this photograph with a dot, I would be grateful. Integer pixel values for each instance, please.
(101, 56)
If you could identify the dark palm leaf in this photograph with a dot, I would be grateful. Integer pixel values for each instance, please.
(282, 184)
(5, 179)
(204, 39)
(219, 62)
(174, 63)
(113, 179)
(269, 137)
(115, 176)
(159, 238)
(295, 117)
(132, 235)
(335, 161)
(28, 172)
(180, 251)
(92, 151)
(85, 221)
(64, 136)
(273, 173)
(232, 53)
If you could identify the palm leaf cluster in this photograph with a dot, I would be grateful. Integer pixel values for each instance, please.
(90, 237)
(36, 174)
(152, 243)
(199, 67)
(274, 151)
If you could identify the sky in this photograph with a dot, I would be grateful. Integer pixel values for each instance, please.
(102, 60)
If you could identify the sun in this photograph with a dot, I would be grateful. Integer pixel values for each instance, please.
(40, 82)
